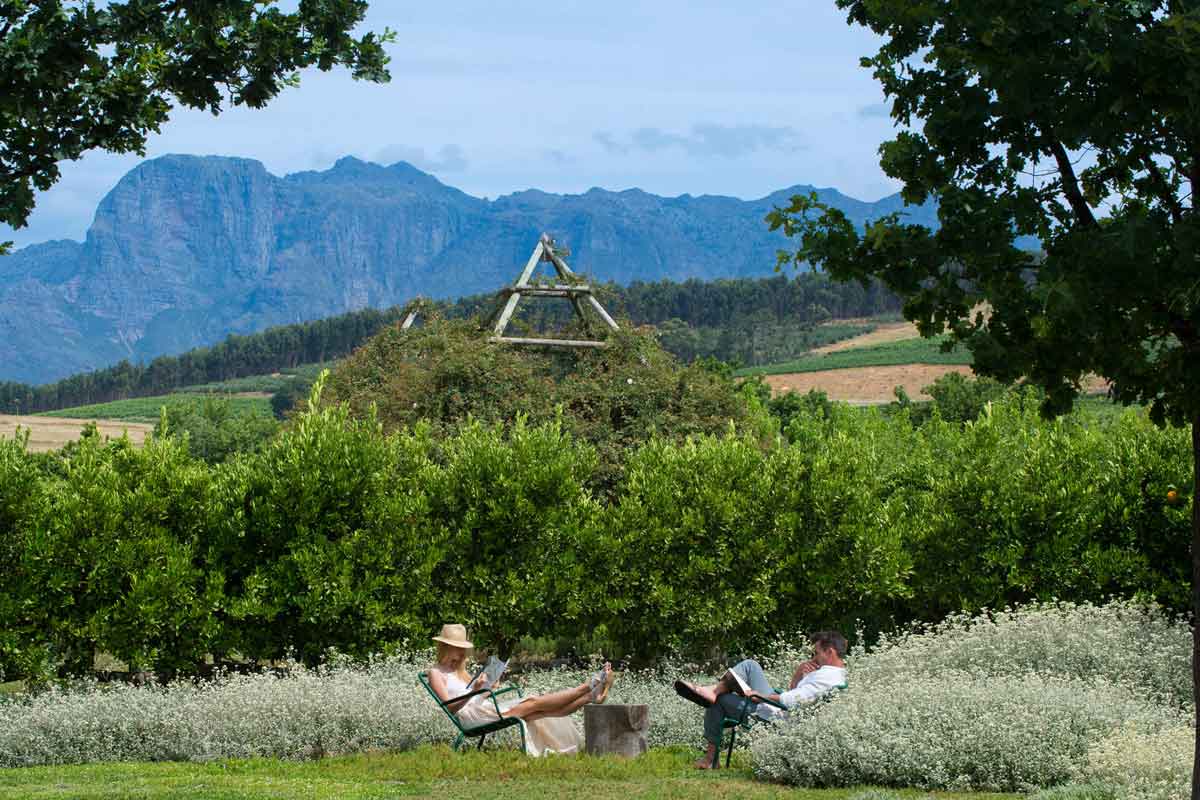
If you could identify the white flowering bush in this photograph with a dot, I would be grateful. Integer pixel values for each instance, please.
(1135, 644)
(1076, 791)
(1142, 765)
(305, 713)
(956, 730)
(1084, 702)
(1011, 701)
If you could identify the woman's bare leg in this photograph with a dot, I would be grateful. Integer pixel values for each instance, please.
(552, 704)
(557, 704)
(578, 704)
(564, 711)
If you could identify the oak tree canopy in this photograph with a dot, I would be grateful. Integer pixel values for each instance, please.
(77, 75)
(1077, 123)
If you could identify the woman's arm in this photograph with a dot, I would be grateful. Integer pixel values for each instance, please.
(437, 681)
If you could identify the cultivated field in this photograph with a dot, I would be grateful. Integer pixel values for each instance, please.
(51, 433)
(865, 385)
(883, 334)
(148, 409)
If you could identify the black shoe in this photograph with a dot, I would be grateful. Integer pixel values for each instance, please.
(688, 693)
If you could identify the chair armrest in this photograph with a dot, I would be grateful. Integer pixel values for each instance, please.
(466, 696)
(758, 698)
(493, 694)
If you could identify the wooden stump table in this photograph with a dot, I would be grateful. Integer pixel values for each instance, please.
(613, 728)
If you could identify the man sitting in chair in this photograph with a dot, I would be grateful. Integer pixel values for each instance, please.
(818, 676)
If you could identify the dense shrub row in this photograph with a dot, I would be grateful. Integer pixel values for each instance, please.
(337, 535)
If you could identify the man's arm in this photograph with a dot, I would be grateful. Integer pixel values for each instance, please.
(755, 697)
(809, 691)
(804, 668)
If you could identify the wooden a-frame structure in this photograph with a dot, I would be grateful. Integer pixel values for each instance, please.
(569, 288)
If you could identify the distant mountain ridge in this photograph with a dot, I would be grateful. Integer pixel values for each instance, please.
(186, 249)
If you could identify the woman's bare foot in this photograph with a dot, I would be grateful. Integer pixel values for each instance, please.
(609, 679)
(598, 682)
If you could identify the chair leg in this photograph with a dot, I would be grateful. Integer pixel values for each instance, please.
(729, 752)
(481, 738)
(458, 742)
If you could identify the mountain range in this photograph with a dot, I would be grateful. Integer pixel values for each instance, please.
(186, 250)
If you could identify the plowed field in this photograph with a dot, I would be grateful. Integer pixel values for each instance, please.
(865, 385)
(889, 332)
(51, 433)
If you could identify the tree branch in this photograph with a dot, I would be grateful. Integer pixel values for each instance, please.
(1183, 328)
(1194, 175)
(1167, 194)
(1070, 185)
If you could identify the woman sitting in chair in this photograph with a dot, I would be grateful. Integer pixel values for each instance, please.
(544, 717)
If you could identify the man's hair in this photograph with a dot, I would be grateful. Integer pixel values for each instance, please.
(830, 639)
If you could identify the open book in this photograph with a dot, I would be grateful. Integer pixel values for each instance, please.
(736, 684)
(491, 671)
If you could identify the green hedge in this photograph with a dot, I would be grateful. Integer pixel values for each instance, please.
(337, 535)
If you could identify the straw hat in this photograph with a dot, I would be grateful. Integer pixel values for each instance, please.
(455, 636)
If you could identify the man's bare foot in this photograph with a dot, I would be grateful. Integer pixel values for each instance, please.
(709, 761)
(703, 691)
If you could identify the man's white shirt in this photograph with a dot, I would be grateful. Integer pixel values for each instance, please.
(819, 682)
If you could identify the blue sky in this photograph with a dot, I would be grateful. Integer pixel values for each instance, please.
(672, 97)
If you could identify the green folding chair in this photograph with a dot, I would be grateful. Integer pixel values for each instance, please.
(746, 720)
(480, 731)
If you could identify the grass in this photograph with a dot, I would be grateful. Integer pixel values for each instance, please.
(906, 351)
(1099, 407)
(261, 383)
(146, 409)
(426, 772)
(252, 383)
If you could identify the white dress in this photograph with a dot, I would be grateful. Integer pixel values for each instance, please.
(545, 735)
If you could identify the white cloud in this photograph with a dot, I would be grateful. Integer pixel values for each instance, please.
(704, 140)
(450, 158)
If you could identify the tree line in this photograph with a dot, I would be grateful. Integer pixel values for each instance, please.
(711, 311)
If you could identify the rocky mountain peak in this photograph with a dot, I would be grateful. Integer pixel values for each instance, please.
(188, 249)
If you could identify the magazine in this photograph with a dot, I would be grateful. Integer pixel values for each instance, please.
(491, 671)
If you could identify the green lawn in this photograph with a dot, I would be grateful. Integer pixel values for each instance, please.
(146, 409)
(906, 351)
(428, 772)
